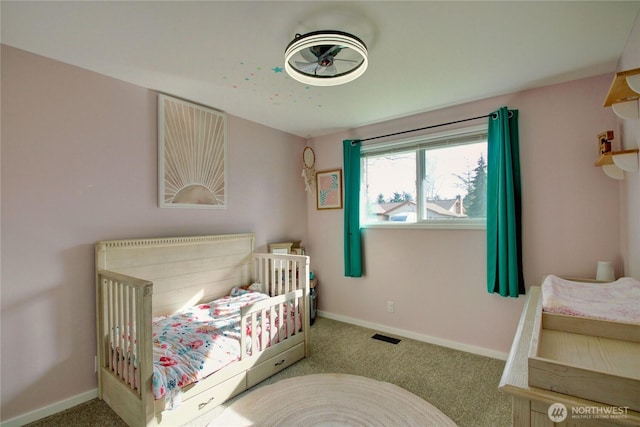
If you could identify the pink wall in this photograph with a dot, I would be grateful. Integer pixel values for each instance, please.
(437, 277)
(79, 164)
(630, 187)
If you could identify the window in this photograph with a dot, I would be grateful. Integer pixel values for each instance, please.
(434, 180)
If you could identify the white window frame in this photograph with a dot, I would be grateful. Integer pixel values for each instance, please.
(419, 144)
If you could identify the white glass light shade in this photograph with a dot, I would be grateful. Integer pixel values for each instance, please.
(305, 62)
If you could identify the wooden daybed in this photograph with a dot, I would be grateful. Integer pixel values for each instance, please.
(140, 279)
(588, 365)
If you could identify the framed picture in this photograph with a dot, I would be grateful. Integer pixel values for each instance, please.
(191, 155)
(280, 248)
(329, 189)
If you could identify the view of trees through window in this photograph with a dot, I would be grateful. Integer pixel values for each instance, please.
(452, 183)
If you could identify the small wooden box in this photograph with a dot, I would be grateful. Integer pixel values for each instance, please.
(591, 359)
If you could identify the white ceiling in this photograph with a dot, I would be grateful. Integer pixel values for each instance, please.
(423, 55)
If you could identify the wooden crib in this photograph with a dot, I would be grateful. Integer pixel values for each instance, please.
(140, 279)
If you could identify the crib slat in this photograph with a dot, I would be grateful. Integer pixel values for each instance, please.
(116, 332)
(290, 267)
(297, 318)
(292, 311)
(264, 328)
(132, 338)
(243, 337)
(108, 319)
(284, 276)
(126, 355)
(274, 289)
(280, 276)
(105, 290)
(295, 271)
(264, 277)
(254, 334)
(122, 325)
(121, 344)
(127, 336)
(281, 324)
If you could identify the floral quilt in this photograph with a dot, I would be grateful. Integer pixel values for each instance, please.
(194, 343)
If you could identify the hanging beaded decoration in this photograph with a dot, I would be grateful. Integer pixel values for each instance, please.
(308, 169)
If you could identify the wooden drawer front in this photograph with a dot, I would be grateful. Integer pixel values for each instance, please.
(274, 365)
(205, 401)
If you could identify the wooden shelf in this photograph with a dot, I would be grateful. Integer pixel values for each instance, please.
(620, 91)
(607, 158)
(616, 163)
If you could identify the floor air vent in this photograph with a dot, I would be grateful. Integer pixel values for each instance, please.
(386, 339)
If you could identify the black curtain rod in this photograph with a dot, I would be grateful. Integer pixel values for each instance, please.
(424, 128)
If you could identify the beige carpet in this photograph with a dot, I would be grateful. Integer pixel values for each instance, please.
(331, 400)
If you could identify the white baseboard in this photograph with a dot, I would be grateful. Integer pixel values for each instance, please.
(415, 336)
(54, 408)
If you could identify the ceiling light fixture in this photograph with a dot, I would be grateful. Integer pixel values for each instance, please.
(326, 58)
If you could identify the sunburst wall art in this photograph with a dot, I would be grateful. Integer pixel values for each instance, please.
(191, 155)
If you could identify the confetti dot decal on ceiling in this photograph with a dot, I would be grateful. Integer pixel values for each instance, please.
(275, 85)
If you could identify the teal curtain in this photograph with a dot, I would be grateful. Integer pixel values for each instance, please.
(504, 194)
(352, 238)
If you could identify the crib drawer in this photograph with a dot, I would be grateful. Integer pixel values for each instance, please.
(205, 401)
(274, 365)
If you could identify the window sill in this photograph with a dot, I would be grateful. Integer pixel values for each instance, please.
(433, 225)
